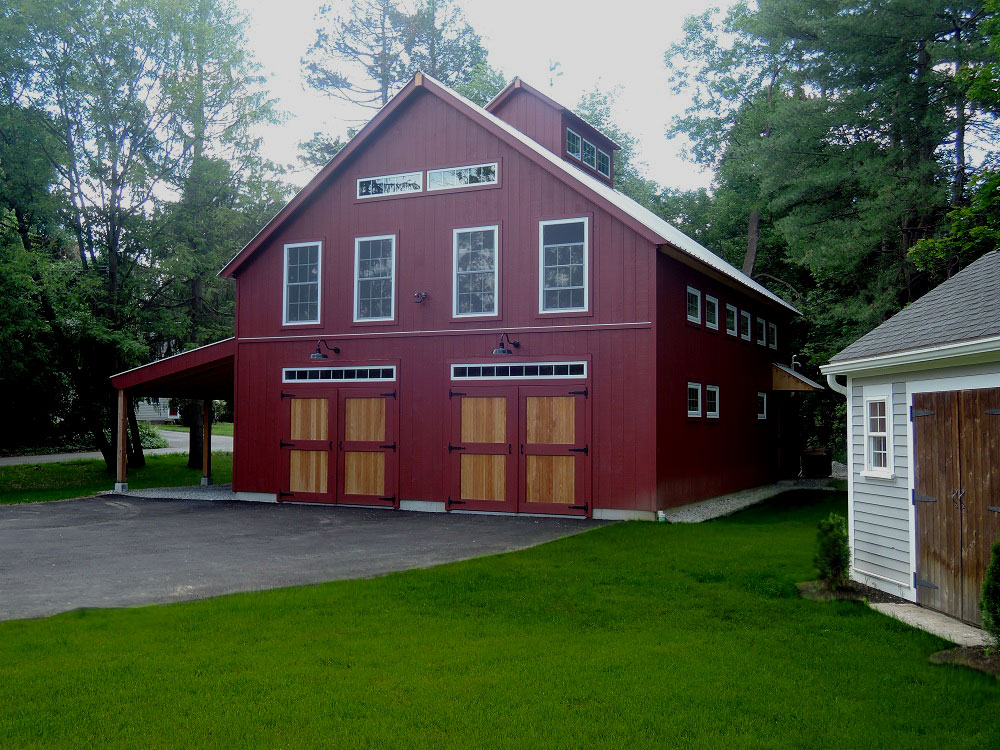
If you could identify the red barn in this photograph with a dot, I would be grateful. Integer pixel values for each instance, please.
(460, 313)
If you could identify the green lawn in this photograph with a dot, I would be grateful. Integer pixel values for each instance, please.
(630, 635)
(29, 483)
(218, 428)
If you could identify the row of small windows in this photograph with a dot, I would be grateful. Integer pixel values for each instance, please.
(562, 270)
(525, 370)
(738, 322)
(706, 399)
(582, 149)
(333, 374)
(437, 179)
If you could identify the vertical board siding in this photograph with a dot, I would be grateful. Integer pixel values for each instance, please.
(882, 506)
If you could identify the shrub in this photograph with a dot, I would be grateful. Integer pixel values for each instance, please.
(989, 602)
(150, 438)
(834, 555)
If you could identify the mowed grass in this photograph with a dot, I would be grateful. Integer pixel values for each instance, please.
(28, 483)
(218, 428)
(633, 635)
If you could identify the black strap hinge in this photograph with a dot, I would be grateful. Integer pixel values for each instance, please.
(920, 413)
(579, 393)
(918, 498)
(455, 448)
(282, 493)
(284, 444)
(585, 450)
(917, 581)
(993, 508)
(391, 499)
(287, 395)
(583, 507)
(388, 395)
(993, 411)
(390, 446)
(452, 393)
(455, 502)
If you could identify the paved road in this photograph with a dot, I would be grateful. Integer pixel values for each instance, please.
(115, 551)
(178, 444)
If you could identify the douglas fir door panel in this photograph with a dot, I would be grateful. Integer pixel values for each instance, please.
(483, 467)
(368, 447)
(307, 446)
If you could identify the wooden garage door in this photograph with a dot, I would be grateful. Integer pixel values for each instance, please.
(368, 447)
(306, 448)
(554, 450)
(481, 451)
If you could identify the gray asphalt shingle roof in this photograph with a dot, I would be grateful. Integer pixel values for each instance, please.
(966, 307)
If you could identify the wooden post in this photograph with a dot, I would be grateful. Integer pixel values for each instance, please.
(206, 443)
(121, 475)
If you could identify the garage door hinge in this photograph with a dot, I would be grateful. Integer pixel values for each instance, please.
(388, 499)
(920, 413)
(993, 508)
(282, 493)
(455, 448)
(585, 450)
(579, 393)
(284, 444)
(389, 446)
(452, 393)
(917, 581)
(993, 411)
(455, 502)
(391, 394)
(583, 507)
(287, 395)
(918, 498)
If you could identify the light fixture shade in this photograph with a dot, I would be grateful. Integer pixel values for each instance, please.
(317, 355)
(501, 350)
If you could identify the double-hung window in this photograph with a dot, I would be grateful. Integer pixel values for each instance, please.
(772, 335)
(731, 316)
(572, 143)
(603, 163)
(563, 265)
(761, 332)
(693, 305)
(878, 445)
(761, 405)
(711, 312)
(694, 399)
(744, 325)
(374, 277)
(476, 271)
(301, 298)
(589, 154)
(712, 401)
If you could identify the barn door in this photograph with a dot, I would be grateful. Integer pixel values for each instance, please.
(368, 447)
(481, 455)
(936, 488)
(980, 496)
(307, 447)
(554, 450)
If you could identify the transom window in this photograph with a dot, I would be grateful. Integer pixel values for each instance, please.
(772, 335)
(374, 272)
(711, 312)
(336, 374)
(712, 401)
(693, 305)
(459, 177)
(390, 184)
(589, 154)
(744, 325)
(694, 399)
(476, 271)
(877, 435)
(302, 277)
(731, 315)
(572, 143)
(761, 332)
(563, 265)
(521, 370)
(761, 405)
(603, 163)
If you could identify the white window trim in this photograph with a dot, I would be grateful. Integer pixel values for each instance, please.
(772, 335)
(319, 281)
(586, 266)
(496, 363)
(286, 379)
(762, 339)
(687, 394)
(496, 176)
(708, 323)
(744, 315)
(712, 414)
(601, 151)
(762, 414)
(454, 272)
(578, 155)
(418, 175)
(735, 330)
(357, 281)
(878, 472)
(697, 318)
(584, 141)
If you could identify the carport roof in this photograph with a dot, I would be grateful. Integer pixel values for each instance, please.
(204, 373)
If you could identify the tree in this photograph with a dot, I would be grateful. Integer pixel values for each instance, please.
(481, 84)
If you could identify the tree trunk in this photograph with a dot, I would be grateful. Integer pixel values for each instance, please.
(137, 459)
(753, 235)
(195, 441)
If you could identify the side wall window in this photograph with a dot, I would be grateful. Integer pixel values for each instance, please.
(476, 271)
(761, 405)
(711, 312)
(374, 277)
(562, 265)
(301, 295)
(694, 399)
(693, 305)
(878, 435)
(744, 325)
(731, 320)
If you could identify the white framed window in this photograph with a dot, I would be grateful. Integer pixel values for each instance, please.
(562, 265)
(744, 325)
(761, 332)
(711, 312)
(878, 439)
(519, 371)
(390, 184)
(572, 143)
(712, 401)
(337, 374)
(477, 271)
(460, 177)
(589, 154)
(603, 163)
(694, 399)
(732, 315)
(374, 277)
(693, 305)
(772, 335)
(761, 405)
(301, 294)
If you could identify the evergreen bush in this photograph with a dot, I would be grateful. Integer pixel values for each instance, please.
(834, 555)
(989, 602)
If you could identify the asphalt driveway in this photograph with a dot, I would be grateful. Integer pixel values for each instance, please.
(117, 551)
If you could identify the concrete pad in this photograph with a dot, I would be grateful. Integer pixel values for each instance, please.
(930, 621)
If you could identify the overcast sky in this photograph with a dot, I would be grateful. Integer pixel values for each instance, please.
(604, 44)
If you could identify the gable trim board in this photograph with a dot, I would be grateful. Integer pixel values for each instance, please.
(641, 219)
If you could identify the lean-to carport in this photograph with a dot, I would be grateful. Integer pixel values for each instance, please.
(206, 373)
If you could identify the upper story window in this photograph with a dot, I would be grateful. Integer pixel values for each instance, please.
(302, 274)
(744, 325)
(374, 277)
(761, 405)
(589, 154)
(761, 332)
(694, 399)
(731, 314)
(459, 177)
(476, 269)
(603, 163)
(772, 335)
(573, 143)
(712, 401)
(693, 305)
(878, 453)
(391, 184)
(563, 265)
(711, 312)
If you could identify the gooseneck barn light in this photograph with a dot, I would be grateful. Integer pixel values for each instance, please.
(501, 349)
(318, 354)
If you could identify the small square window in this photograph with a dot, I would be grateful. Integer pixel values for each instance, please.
(731, 316)
(711, 312)
(761, 332)
(744, 325)
(693, 305)
(712, 401)
(761, 405)
(772, 335)
(694, 399)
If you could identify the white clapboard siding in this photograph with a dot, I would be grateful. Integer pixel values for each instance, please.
(155, 409)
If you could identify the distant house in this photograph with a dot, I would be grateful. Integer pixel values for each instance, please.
(156, 410)
(461, 313)
(923, 394)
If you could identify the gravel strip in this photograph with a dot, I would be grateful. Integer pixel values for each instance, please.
(725, 505)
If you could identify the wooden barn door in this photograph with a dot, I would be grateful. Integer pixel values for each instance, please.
(481, 452)
(554, 450)
(368, 447)
(307, 446)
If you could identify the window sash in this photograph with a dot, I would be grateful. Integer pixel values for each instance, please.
(453, 178)
(487, 279)
(390, 184)
(761, 332)
(589, 154)
(374, 279)
(878, 445)
(711, 312)
(548, 292)
(732, 320)
(761, 405)
(571, 138)
(712, 401)
(693, 305)
(298, 293)
(744, 325)
(772, 335)
(694, 399)
(603, 163)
